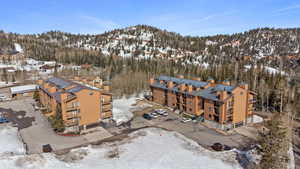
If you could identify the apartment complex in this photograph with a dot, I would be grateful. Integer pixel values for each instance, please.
(12, 58)
(82, 105)
(227, 105)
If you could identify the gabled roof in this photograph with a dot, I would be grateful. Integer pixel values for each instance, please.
(221, 87)
(60, 83)
(208, 93)
(195, 83)
(76, 89)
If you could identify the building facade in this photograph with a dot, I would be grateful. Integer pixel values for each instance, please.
(82, 106)
(18, 92)
(222, 103)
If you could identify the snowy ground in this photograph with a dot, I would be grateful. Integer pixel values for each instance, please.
(144, 149)
(257, 119)
(122, 109)
(4, 84)
(10, 141)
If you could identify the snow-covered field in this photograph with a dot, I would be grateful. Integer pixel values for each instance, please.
(257, 119)
(268, 69)
(122, 109)
(10, 141)
(144, 149)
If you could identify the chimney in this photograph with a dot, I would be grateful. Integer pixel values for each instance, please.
(170, 84)
(182, 87)
(40, 82)
(151, 81)
(180, 76)
(226, 82)
(63, 96)
(211, 80)
(244, 86)
(197, 78)
(190, 88)
(52, 90)
(223, 95)
(106, 87)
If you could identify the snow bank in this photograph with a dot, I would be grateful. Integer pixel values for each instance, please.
(10, 142)
(145, 149)
(121, 109)
(4, 84)
(267, 69)
(291, 164)
(257, 119)
(18, 48)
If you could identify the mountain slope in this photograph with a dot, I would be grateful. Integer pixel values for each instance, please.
(272, 47)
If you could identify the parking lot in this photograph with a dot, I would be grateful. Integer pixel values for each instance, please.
(194, 130)
(36, 131)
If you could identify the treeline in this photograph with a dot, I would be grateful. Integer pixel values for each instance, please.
(130, 75)
(274, 47)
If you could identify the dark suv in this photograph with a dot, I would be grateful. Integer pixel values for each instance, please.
(147, 116)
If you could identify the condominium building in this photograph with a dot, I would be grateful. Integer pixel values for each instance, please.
(227, 105)
(81, 105)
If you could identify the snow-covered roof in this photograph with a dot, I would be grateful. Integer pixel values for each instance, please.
(23, 89)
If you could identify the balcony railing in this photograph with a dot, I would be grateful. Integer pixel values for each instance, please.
(71, 123)
(72, 115)
(69, 98)
(252, 101)
(72, 108)
(106, 108)
(106, 115)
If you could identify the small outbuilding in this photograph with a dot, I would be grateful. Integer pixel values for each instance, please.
(23, 91)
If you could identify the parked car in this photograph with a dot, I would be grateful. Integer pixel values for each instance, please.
(3, 120)
(198, 119)
(154, 114)
(47, 148)
(147, 116)
(226, 147)
(217, 147)
(162, 112)
(2, 98)
(184, 120)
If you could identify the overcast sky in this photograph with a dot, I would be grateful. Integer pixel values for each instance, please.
(187, 17)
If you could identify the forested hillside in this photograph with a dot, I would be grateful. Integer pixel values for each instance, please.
(141, 52)
(278, 48)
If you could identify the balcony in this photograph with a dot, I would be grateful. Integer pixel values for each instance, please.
(106, 115)
(251, 101)
(69, 98)
(106, 108)
(71, 123)
(72, 108)
(72, 115)
(106, 101)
